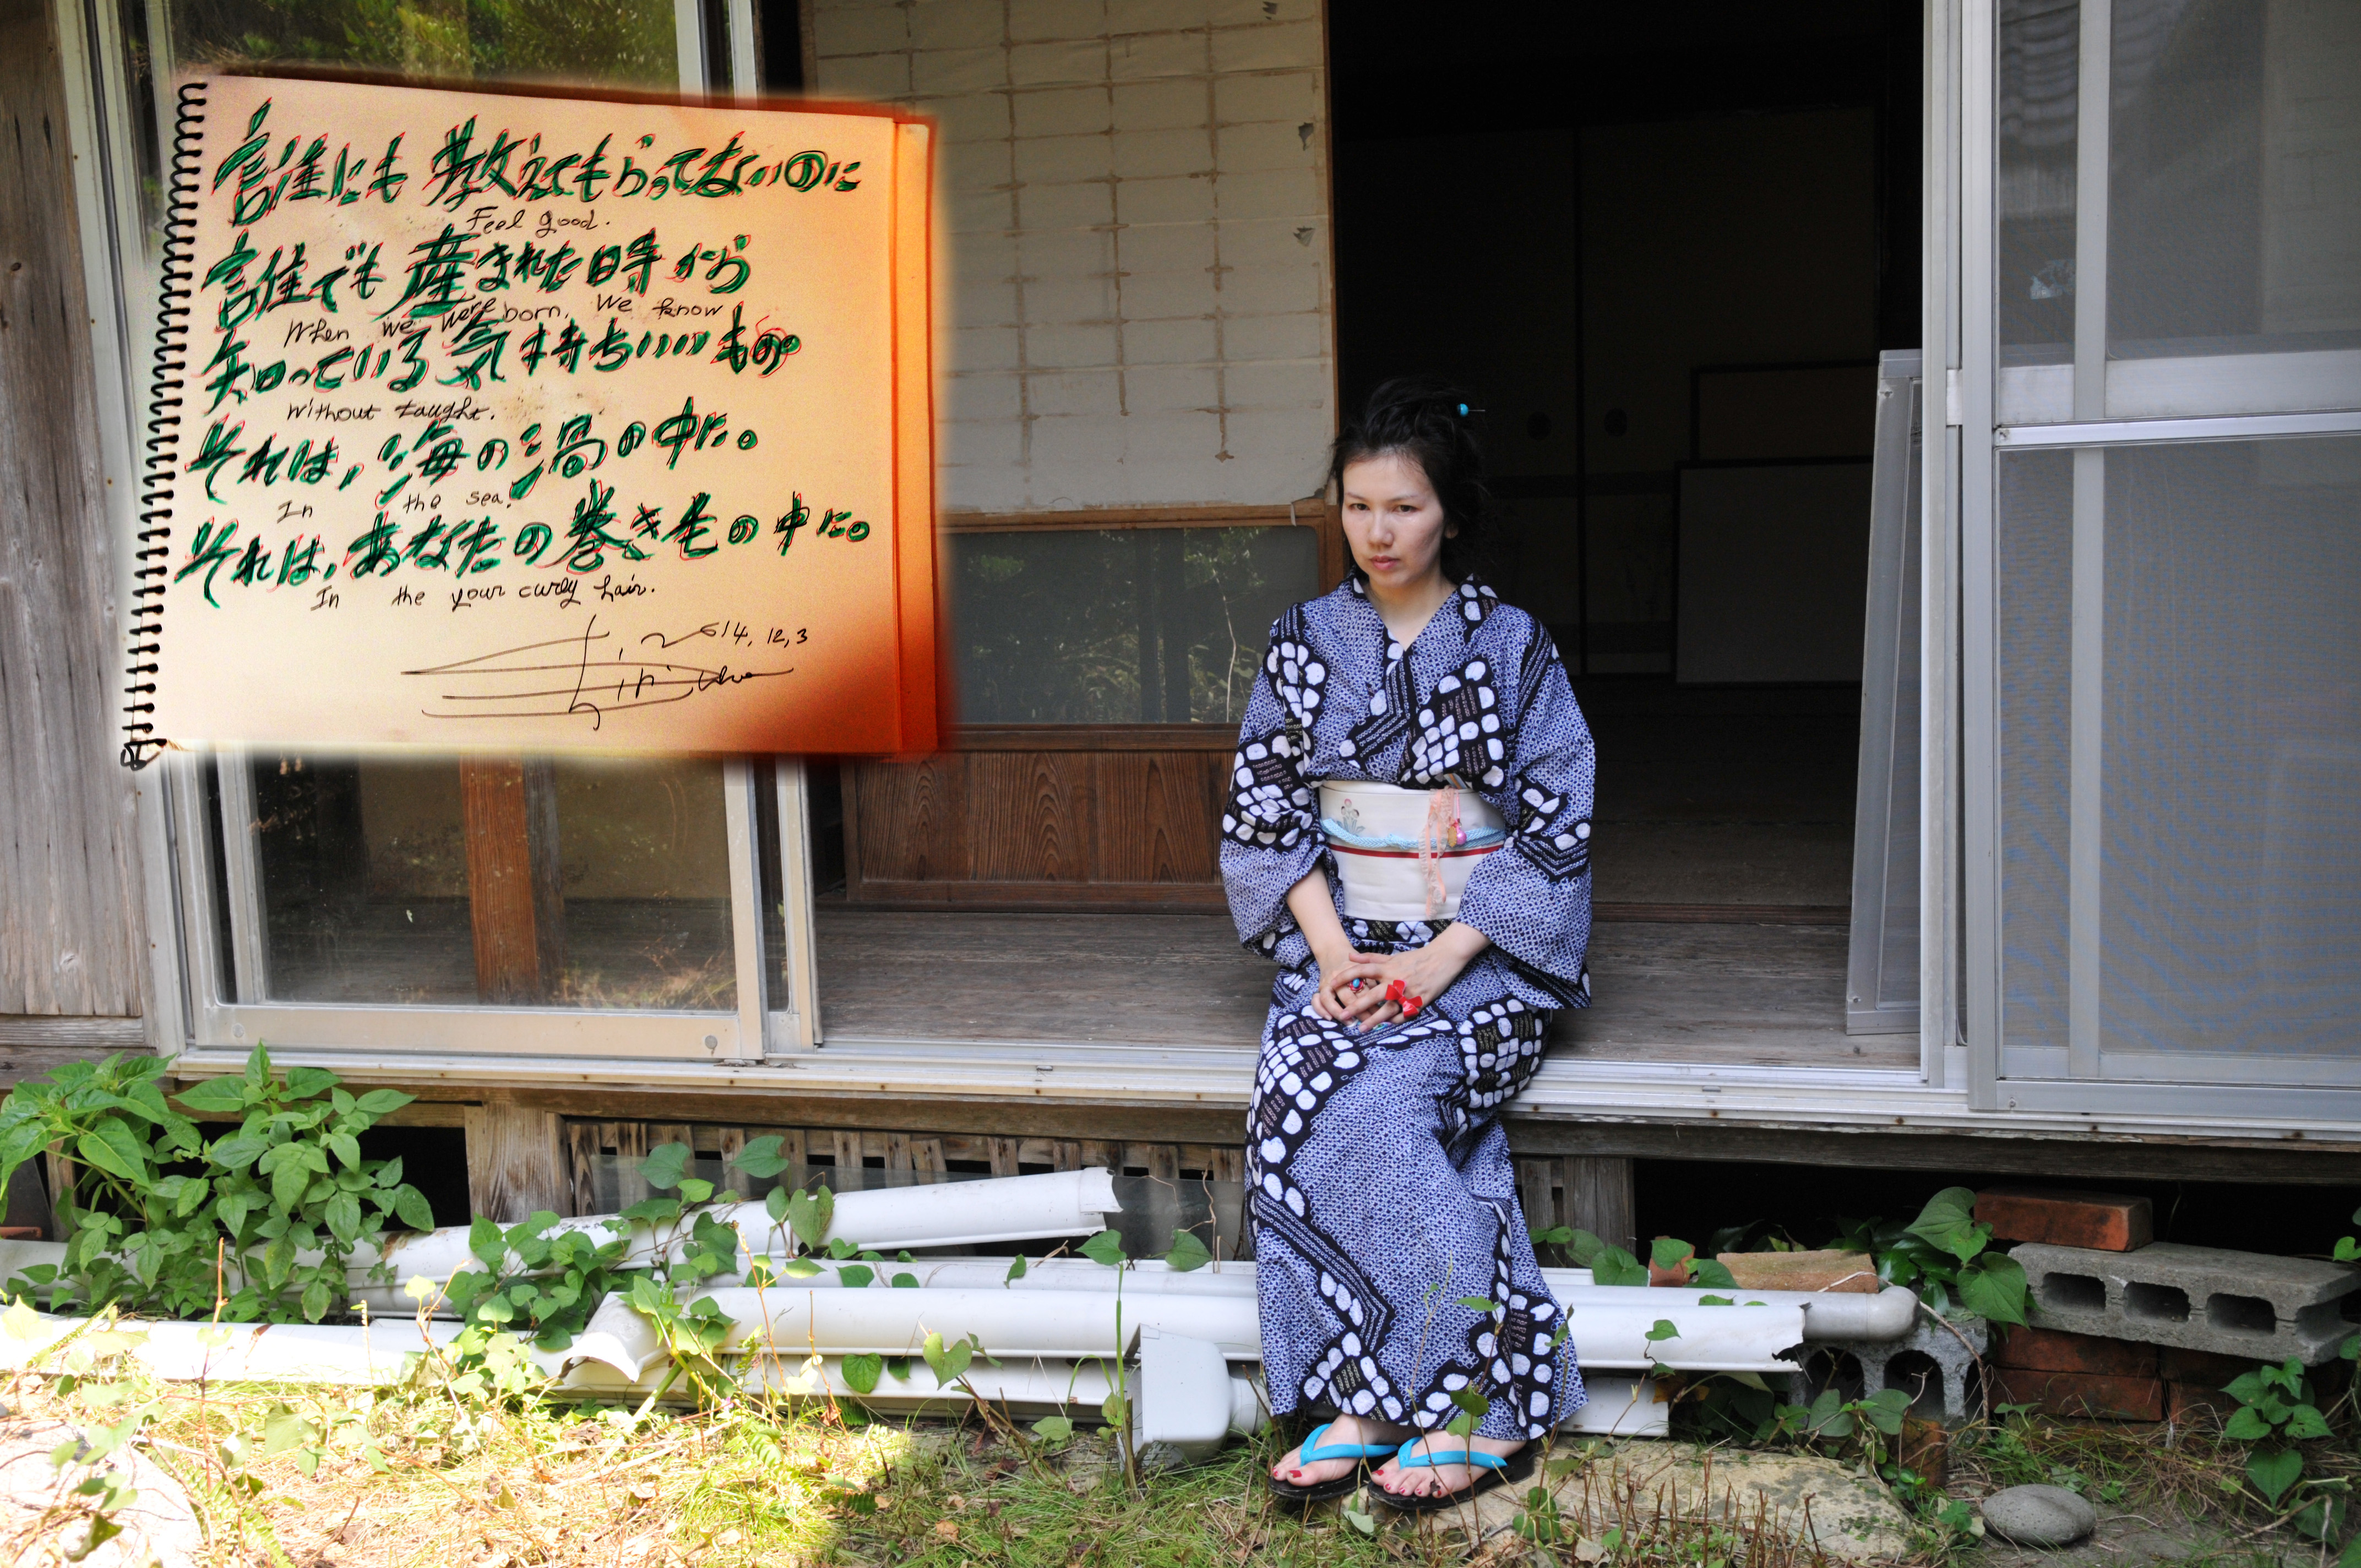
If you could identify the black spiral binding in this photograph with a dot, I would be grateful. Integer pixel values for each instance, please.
(151, 566)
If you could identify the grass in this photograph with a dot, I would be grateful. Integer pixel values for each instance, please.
(445, 1473)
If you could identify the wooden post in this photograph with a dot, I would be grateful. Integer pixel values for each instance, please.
(514, 896)
(1599, 1199)
(516, 1160)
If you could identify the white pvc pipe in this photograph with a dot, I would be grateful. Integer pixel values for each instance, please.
(949, 1214)
(1024, 1322)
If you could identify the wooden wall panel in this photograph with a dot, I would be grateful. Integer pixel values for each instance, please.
(1038, 828)
(1157, 814)
(71, 939)
(908, 821)
(1028, 816)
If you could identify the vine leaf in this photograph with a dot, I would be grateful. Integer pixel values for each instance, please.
(1188, 1253)
(2273, 1471)
(861, 1372)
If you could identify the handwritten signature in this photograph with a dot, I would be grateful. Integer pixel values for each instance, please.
(584, 685)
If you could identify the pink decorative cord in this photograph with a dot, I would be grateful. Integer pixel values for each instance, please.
(1443, 831)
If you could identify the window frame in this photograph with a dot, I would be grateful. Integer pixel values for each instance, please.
(2087, 407)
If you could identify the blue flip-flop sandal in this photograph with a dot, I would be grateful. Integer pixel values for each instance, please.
(1312, 1452)
(1490, 1470)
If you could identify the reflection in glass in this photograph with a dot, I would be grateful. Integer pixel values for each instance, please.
(578, 882)
(1120, 626)
(627, 43)
(2039, 56)
(2234, 191)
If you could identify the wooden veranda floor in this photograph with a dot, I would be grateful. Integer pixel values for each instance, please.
(1723, 994)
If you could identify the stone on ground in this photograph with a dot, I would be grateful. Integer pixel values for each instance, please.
(2039, 1516)
(1805, 1498)
(158, 1528)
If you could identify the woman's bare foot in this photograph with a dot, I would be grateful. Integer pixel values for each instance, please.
(1426, 1480)
(1346, 1431)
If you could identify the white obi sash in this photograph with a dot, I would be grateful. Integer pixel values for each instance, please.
(1406, 854)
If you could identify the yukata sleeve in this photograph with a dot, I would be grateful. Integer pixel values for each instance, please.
(1532, 897)
(1270, 826)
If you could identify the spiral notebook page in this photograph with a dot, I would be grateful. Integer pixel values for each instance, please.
(529, 423)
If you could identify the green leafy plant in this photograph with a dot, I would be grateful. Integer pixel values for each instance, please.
(1608, 1264)
(540, 1279)
(1678, 1258)
(163, 1221)
(2277, 1410)
(1946, 1255)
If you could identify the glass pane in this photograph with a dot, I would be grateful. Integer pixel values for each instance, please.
(2034, 572)
(618, 42)
(2040, 55)
(2232, 749)
(1120, 626)
(578, 882)
(2235, 204)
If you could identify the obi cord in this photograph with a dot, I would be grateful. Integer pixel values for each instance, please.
(1378, 1165)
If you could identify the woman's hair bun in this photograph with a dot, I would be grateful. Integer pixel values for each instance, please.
(1431, 422)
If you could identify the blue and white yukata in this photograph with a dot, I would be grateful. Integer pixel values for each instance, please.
(1382, 1191)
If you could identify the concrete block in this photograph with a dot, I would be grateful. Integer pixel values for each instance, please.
(1279, 383)
(1145, 155)
(956, 23)
(1054, 349)
(1066, 206)
(879, 29)
(980, 443)
(1168, 343)
(1278, 145)
(974, 166)
(1157, 296)
(1070, 302)
(2079, 1396)
(1847, 1271)
(1170, 388)
(1287, 95)
(1032, 21)
(1062, 161)
(1156, 16)
(1066, 252)
(1180, 198)
(981, 396)
(2046, 1350)
(1247, 13)
(1166, 247)
(1269, 242)
(869, 77)
(2239, 1303)
(1302, 335)
(990, 301)
(1903, 1363)
(967, 117)
(1267, 46)
(1294, 193)
(1063, 111)
(1273, 291)
(943, 71)
(2106, 1222)
(1052, 64)
(1073, 392)
(1174, 104)
(1150, 55)
(977, 214)
(981, 256)
(982, 348)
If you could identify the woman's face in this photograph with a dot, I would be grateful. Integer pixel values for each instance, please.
(1394, 520)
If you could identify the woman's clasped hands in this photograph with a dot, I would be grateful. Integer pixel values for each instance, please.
(1369, 991)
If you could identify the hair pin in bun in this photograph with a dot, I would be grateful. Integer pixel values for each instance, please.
(1464, 411)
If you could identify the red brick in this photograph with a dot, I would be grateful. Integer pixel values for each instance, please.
(2198, 1404)
(2051, 1350)
(2103, 1222)
(2079, 1396)
(2207, 1368)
